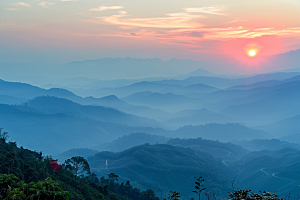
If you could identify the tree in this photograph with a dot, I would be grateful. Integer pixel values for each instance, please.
(102, 180)
(248, 195)
(3, 135)
(10, 164)
(6, 182)
(46, 190)
(114, 177)
(198, 186)
(93, 178)
(54, 165)
(78, 165)
(211, 194)
(150, 193)
(174, 195)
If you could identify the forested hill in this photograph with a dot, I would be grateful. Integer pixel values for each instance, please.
(166, 167)
(160, 167)
(55, 105)
(32, 168)
(222, 150)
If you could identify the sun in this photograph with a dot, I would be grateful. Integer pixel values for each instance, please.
(252, 53)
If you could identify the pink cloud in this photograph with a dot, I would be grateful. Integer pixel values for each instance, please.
(21, 4)
(45, 4)
(207, 10)
(172, 20)
(102, 8)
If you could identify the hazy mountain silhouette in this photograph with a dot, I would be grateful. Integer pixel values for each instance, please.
(197, 117)
(255, 85)
(230, 82)
(49, 132)
(163, 166)
(142, 111)
(158, 87)
(24, 90)
(221, 132)
(83, 152)
(225, 151)
(268, 83)
(106, 68)
(168, 102)
(114, 68)
(287, 129)
(19, 92)
(271, 170)
(54, 105)
(5, 99)
(269, 105)
(264, 144)
(131, 140)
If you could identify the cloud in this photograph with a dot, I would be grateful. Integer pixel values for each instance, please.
(195, 34)
(240, 32)
(207, 10)
(101, 8)
(122, 12)
(189, 28)
(12, 9)
(45, 4)
(69, 0)
(21, 4)
(172, 20)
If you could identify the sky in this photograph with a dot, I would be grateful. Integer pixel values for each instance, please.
(68, 30)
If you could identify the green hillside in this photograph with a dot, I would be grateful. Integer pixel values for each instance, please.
(222, 132)
(164, 167)
(31, 169)
(54, 105)
(270, 170)
(218, 149)
(131, 140)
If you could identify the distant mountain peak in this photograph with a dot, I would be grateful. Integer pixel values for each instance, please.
(61, 91)
(112, 98)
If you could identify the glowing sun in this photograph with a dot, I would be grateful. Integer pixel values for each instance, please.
(252, 53)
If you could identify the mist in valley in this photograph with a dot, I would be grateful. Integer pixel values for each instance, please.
(243, 128)
(141, 100)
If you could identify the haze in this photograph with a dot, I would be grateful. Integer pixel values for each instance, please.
(157, 92)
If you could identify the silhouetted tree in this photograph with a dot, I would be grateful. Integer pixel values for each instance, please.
(114, 177)
(3, 135)
(174, 195)
(198, 186)
(78, 165)
(6, 182)
(93, 178)
(150, 193)
(46, 190)
(248, 195)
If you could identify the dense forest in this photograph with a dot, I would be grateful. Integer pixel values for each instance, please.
(26, 174)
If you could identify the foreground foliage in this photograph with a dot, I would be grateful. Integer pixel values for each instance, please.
(248, 195)
(47, 190)
(27, 174)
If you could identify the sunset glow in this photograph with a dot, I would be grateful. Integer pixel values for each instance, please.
(252, 53)
(67, 30)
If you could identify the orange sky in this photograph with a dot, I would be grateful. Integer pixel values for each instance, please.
(66, 30)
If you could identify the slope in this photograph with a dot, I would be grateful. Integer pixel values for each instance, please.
(222, 132)
(196, 117)
(54, 105)
(55, 133)
(163, 166)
